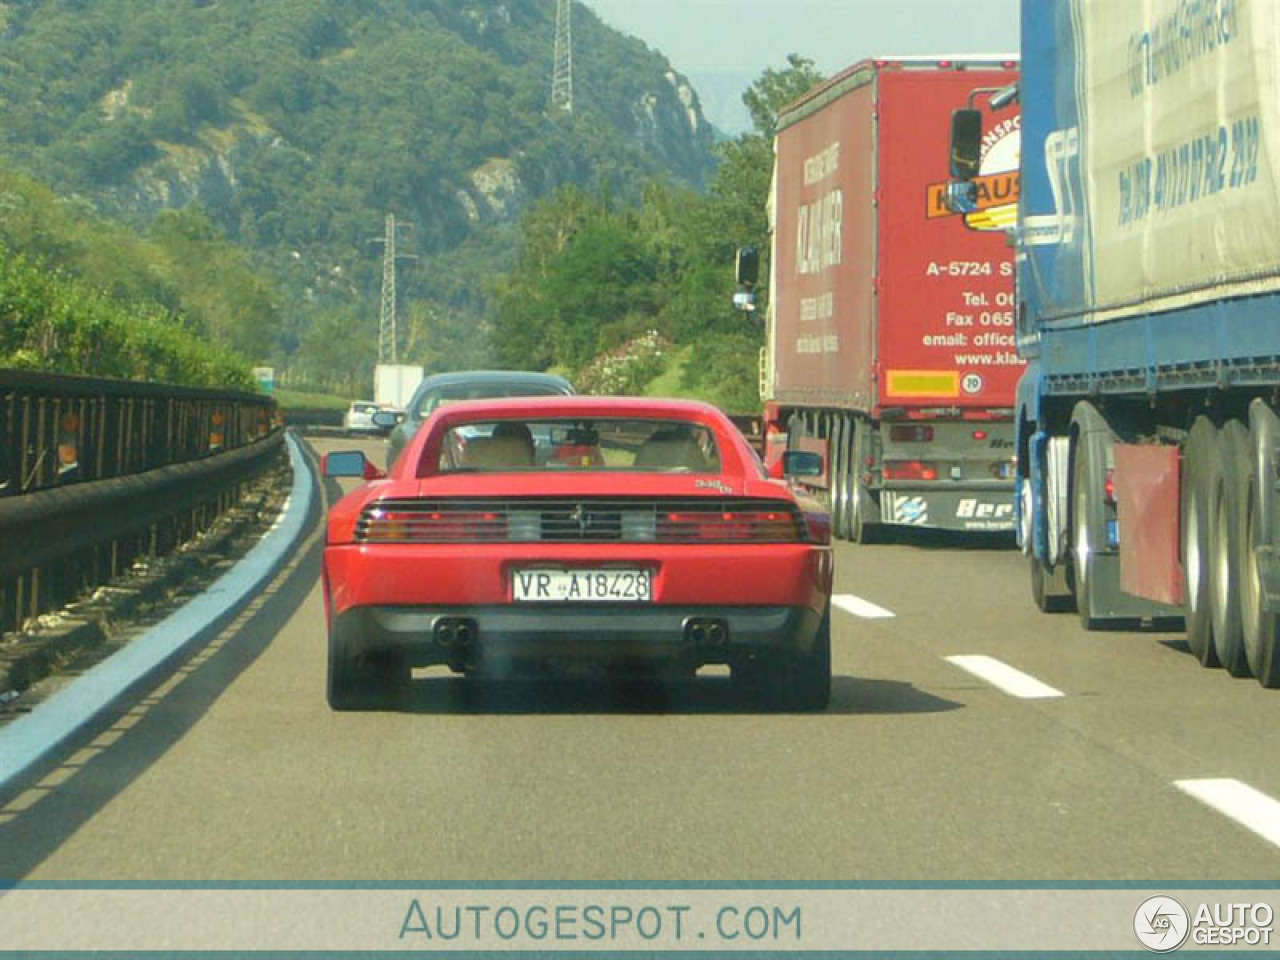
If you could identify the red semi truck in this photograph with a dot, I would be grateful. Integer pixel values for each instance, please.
(891, 322)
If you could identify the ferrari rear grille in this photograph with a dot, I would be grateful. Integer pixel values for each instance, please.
(581, 521)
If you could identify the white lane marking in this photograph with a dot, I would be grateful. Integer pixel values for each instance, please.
(860, 608)
(1004, 677)
(1242, 803)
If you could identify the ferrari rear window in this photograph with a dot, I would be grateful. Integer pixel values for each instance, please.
(640, 446)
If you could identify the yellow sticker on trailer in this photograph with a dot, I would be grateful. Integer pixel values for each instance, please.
(923, 383)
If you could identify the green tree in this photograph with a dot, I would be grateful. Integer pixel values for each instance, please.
(774, 89)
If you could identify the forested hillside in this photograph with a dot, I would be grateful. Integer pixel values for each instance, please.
(81, 295)
(291, 127)
(637, 297)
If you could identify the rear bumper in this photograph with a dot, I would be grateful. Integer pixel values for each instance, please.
(505, 639)
(481, 575)
(958, 506)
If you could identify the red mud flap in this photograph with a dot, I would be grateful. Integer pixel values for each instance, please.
(1147, 506)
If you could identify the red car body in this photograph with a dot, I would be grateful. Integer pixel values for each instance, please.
(421, 567)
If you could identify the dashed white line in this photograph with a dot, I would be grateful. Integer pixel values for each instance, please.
(1004, 677)
(859, 607)
(1242, 803)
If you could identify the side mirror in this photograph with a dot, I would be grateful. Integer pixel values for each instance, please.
(802, 463)
(966, 143)
(349, 463)
(961, 196)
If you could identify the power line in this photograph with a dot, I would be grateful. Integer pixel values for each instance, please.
(562, 77)
(388, 335)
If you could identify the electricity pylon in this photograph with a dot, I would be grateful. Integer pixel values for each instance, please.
(562, 77)
(388, 335)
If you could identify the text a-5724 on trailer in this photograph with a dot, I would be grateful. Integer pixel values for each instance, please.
(646, 542)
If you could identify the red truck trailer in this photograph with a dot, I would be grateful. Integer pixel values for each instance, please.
(891, 345)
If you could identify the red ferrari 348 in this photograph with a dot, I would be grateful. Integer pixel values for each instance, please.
(560, 536)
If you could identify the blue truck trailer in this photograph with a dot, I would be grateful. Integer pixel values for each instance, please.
(1148, 309)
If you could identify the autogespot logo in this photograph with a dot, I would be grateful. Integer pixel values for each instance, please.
(1161, 924)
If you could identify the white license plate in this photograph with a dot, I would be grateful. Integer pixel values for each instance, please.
(582, 586)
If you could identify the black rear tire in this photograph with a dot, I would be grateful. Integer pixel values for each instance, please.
(1226, 532)
(794, 681)
(808, 677)
(366, 683)
(1199, 460)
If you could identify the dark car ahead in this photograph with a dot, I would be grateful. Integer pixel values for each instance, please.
(444, 388)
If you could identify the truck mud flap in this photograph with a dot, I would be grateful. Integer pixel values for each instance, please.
(1112, 603)
(971, 510)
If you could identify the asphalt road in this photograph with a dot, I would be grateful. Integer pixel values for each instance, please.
(235, 769)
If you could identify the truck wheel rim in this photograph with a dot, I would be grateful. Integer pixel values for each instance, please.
(1221, 556)
(1250, 587)
(1194, 561)
(1024, 521)
(1082, 549)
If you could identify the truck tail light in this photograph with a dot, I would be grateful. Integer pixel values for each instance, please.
(909, 470)
(979, 434)
(1109, 487)
(911, 433)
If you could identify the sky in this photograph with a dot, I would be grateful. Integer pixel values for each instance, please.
(722, 45)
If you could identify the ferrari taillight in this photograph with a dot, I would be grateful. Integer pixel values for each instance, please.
(766, 526)
(394, 525)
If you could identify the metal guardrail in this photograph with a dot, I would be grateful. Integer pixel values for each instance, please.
(96, 473)
(56, 430)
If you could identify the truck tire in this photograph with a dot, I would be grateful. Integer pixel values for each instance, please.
(1047, 590)
(1199, 460)
(1087, 510)
(1261, 627)
(850, 472)
(797, 430)
(839, 456)
(1226, 529)
(862, 513)
(1046, 600)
